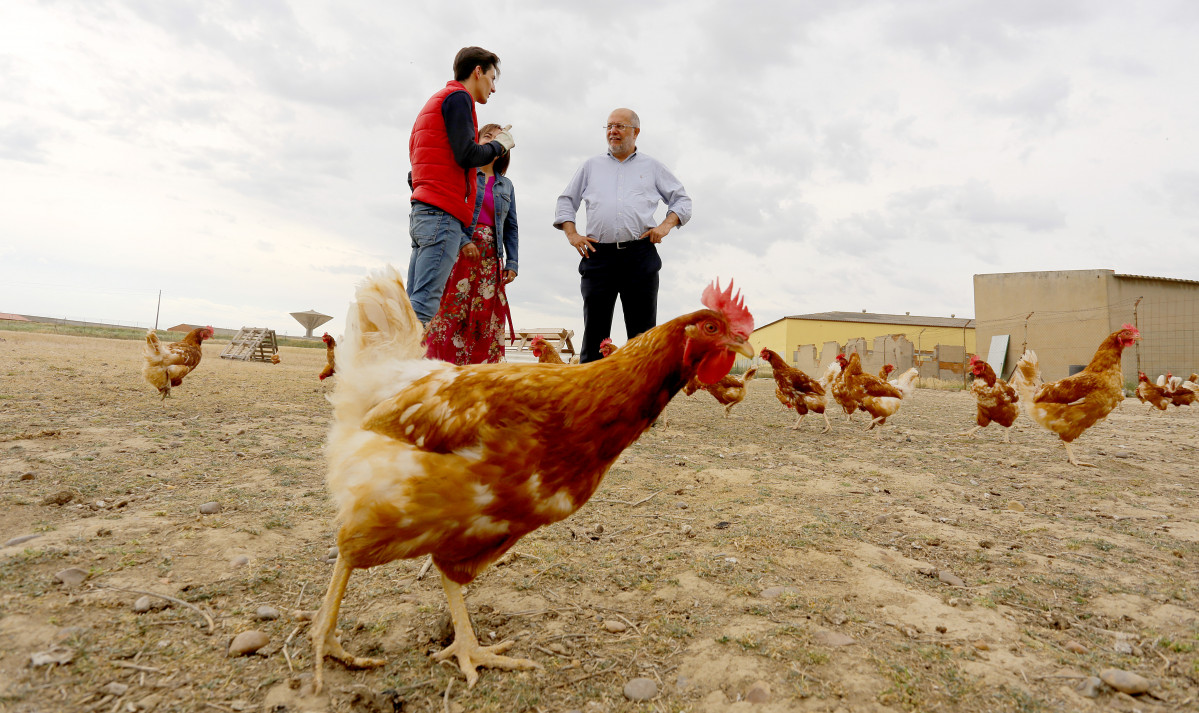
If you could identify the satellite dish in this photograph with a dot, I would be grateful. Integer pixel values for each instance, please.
(310, 320)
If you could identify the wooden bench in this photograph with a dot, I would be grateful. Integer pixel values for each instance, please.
(559, 338)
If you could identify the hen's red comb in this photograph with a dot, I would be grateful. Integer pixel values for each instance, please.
(1129, 326)
(606, 341)
(731, 306)
(974, 359)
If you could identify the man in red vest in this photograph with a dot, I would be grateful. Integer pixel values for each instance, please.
(444, 156)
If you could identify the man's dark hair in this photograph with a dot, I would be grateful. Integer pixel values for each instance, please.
(470, 57)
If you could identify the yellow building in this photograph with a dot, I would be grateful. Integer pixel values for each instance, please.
(787, 334)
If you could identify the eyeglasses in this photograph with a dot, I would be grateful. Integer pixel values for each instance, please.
(618, 127)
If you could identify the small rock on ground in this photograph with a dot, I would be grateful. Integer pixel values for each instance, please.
(641, 689)
(833, 638)
(60, 655)
(210, 508)
(950, 578)
(19, 540)
(266, 613)
(247, 642)
(62, 497)
(1125, 681)
(758, 693)
(72, 576)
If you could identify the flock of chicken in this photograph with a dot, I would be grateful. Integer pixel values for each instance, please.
(167, 364)
(429, 458)
(1067, 407)
(850, 387)
(1169, 389)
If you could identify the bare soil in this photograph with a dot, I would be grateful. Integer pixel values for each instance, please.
(734, 553)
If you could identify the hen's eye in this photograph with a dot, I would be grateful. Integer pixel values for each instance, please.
(710, 327)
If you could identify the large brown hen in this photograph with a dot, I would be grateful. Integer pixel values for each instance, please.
(1070, 406)
(997, 400)
(796, 390)
(167, 364)
(460, 462)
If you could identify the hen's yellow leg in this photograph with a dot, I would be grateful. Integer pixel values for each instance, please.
(324, 626)
(466, 647)
(827, 425)
(971, 432)
(1073, 460)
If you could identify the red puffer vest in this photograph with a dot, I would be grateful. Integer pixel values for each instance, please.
(437, 179)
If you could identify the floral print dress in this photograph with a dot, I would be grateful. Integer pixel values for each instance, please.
(469, 325)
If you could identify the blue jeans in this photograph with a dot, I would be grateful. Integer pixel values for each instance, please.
(436, 236)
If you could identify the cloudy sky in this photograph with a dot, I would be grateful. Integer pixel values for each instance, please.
(249, 158)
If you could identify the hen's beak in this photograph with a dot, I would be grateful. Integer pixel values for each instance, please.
(744, 348)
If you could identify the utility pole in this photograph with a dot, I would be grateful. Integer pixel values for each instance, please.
(1136, 322)
(157, 309)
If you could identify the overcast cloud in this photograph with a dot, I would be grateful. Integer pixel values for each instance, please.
(249, 159)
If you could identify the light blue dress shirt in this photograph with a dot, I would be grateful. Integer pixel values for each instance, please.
(621, 197)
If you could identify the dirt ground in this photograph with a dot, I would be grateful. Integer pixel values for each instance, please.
(735, 563)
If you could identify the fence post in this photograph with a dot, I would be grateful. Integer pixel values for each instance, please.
(965, 381)
(1136, 322)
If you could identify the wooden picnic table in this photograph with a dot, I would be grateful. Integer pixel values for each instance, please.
(559, 338)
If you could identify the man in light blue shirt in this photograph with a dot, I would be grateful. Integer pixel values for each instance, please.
(619, 257)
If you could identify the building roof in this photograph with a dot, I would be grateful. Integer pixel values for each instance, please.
(906, 320)
(1163, 279)
(1113, 273)
(13, 317)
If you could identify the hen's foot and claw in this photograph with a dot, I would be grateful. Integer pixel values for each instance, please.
(333, 649)
(466, 646)
(1075, 461)
(471, 656)
(323, 630)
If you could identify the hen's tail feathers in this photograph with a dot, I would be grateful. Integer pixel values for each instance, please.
(380, 323)
(382, 339)
(1027, 378)
(831, 373)
(155, 371)
(906, 383)
(749, 374)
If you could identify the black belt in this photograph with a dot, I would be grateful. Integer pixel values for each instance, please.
(622, 245)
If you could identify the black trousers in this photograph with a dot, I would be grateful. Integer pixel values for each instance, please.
(630, 273)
